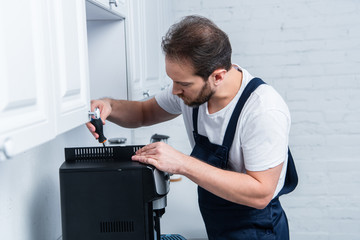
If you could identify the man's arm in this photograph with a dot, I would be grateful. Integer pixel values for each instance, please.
(130, 114)
(134, 114)
(254, 189)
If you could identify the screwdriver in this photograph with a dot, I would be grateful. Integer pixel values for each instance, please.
(97, 122)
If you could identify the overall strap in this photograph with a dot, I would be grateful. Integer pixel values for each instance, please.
(291, 179)
(194, 118)
(230, 130)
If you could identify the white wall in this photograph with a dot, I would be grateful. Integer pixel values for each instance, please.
(309, 50)
(29, 193)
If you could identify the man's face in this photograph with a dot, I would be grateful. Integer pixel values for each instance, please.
(192, 89)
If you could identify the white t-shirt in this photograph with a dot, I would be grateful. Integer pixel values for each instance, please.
(262, 133)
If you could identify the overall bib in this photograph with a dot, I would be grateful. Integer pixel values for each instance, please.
(225, 220)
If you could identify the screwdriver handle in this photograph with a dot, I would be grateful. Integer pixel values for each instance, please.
(97, 122)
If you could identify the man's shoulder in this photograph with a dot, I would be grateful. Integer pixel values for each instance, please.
(266, 98)
(169, 102)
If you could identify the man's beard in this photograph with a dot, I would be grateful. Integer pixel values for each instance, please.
(204, 96)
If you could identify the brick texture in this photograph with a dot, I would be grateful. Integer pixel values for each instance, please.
(309, 50)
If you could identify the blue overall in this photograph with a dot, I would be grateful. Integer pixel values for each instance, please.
(227, 220)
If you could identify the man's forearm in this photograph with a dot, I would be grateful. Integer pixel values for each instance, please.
(126, 113)
(254, 191)
(133, 114)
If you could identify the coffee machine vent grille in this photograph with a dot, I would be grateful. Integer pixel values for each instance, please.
(117, 226)
(100, 154)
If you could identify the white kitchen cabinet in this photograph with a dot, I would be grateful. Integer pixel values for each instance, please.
(106, 33)
(43, 72)
(107, 59)
(147, 21)
(117, 6)
(70, 66)
(26, 114)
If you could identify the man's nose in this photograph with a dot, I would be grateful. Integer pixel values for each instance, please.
(176, 90)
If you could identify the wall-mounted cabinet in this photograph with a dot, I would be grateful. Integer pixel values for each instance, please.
(55, 56)
(70, 63)
(26, 86)
(106, 52)
(43, 72)
(119, 7)
(148, 22)
(106, 38)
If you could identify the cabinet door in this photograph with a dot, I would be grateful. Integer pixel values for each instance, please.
(26, 115)
(166, 20)
(146, 58)
(117, 6)
(135, 49)
(152, 46)
(70, 63)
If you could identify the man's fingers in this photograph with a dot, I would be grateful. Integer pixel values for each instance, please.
(146, 149)
(90, 126)
(148, 152)
(145, 159)
(92, 129)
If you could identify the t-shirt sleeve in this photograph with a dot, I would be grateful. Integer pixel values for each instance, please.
(168, 101)
(265, 139)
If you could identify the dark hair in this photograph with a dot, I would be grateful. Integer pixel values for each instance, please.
(198, 40)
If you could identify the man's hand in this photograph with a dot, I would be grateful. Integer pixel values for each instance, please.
(162, 156)
(105, 110)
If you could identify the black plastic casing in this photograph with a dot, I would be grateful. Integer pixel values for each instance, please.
(105, 195)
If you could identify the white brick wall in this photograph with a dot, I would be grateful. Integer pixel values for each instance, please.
(309, 50)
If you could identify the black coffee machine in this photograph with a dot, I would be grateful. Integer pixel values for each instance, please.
(105, 195)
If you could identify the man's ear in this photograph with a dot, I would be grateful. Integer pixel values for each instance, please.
(218, 76)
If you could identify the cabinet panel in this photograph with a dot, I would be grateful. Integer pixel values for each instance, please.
(26, 119)
(147, 24)
(153, 42)
(70, 61)
(135, 50)
(107, 62)
(117, 6)
(107, 59)
(135, 41)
